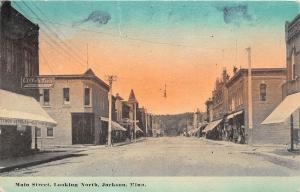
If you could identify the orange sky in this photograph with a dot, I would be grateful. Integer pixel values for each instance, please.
(189, 74)
(185, 45)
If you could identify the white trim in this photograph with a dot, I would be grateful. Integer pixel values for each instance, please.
(90, 90)
(63, 96)
(44, 104)
(47, 132)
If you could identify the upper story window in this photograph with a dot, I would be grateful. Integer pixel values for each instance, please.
(87, 96)
(263, 92)
(50, 132)
(27, 63)
(293, 62)
(66, 95)
(46, 95)
(9, 56)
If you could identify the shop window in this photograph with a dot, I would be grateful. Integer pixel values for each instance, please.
(46, 94)
(66, 95)
(87, 96)
(50, 132)
(263, 92)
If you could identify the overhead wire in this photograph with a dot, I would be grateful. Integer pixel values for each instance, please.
(49, 40)
(54, 32)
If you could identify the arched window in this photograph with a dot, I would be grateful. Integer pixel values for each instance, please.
(263, 92)
(293, 68)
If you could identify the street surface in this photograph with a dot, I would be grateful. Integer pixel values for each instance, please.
(165, 156)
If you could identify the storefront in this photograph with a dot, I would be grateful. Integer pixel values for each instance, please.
(20, 116)
(83, 128)
(199, 131)
(118, 131)
(139, 132)
(287, 113)
(212, 130)
(234, 129)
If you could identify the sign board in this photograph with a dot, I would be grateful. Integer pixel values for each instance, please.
(37, 82)
(24, 122)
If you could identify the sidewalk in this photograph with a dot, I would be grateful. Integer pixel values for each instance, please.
(31, 160)
(52, 154)
(270, 151)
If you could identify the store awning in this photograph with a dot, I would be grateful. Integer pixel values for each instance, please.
(192, 131)
(234, 114)
(283, 111)
(20, 110)
(114, 125)
(138, 129)
(201, 126)
(212, 125)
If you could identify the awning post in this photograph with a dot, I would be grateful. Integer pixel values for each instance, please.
(292, 132)
(35, 138)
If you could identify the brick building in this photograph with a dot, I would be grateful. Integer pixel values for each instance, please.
(266, 95)
(20, 113)
(134, 114)
(78, 103)
(219, 97)
(287, 113)
(217, 107)
(19, 50)
(141, 116)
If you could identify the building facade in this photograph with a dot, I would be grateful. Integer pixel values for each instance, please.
(20, 113)
(19, 50)
(77, 103)
(219, 97)
(217, 108)
(266, 95)
(287, 113)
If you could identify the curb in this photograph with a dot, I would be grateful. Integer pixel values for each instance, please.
(128, 143)
(55, 158)
(279, 160)
(294, 163)
(37, 162)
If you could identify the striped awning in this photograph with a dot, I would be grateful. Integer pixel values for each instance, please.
(20, 110)
(212, 125)
(283, 111)
(234, 114)
(115, 126)
(138, 129)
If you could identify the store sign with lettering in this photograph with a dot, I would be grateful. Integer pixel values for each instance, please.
(24, 122)
(37, 82)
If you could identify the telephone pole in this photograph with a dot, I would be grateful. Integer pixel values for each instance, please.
(135, 128)
(87, 56)
(250, 123)
(110, 79)
(146, 120)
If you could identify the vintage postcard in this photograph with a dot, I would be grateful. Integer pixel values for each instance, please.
(149, 96)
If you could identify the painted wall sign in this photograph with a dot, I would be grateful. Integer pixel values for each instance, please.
(37, 82)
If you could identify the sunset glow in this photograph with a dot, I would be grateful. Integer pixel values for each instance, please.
(184, 45)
